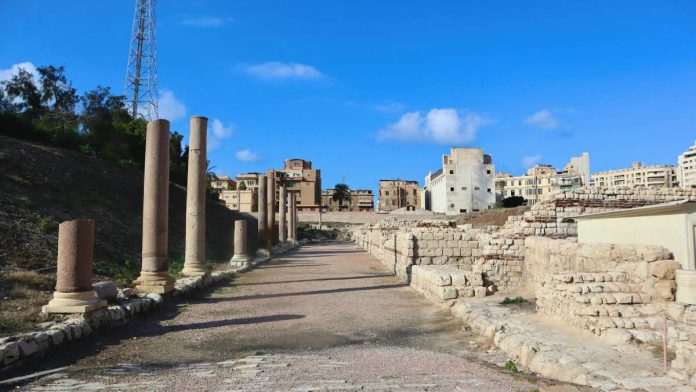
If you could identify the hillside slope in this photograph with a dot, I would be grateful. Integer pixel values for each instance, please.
(42, 186)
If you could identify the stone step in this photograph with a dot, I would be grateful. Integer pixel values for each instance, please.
(612, 298)
(599, 287)
(637, 323)
(588, 277)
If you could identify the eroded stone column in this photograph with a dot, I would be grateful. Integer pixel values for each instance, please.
(74, 292)
(262, 216)
(241, 253)
(154, 274)
(291, 217)
(270, 212)
(282, 215)
(194, 255)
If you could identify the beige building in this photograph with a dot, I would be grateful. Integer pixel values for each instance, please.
(239, 200)
(687, 168)
(658, 176)
(303, 181)
(248, 181)
(222, 183)
(362, 200)
(395, 194)
(465, 183)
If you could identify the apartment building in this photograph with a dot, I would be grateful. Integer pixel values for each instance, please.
(654, 176)
(248, 181)
(303, 181)
(222, 183)
(541, 180)
(395, 194)
(362, 200)
(687, 168)
(239, 200)
(465, 183)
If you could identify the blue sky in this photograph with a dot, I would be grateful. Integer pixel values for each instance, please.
(381, 89)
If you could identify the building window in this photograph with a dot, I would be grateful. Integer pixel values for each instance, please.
(451, 171)
(463, 188)
(489, 190)
(452, 189)
(477, 188)
(452, 205)
(488, 172)
(462, 210)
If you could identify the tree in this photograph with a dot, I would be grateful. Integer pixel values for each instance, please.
(22, 89)
(242, 186)
(513, 201)
(58, 97)
(341, 193)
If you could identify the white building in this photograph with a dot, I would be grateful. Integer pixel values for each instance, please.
(654, 176)
(466, 183)
(580, 165)
(687, 168)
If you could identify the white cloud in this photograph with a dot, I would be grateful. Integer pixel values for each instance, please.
(247, 156)
(274, 70)
(6, 74)
(221, 131)
(205, 21)
(441, 126)
(543, 119)
(530, 161)
(169, 107)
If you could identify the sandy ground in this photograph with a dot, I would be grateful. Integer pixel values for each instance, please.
(322, 318)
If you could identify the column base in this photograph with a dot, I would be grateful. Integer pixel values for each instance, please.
(194, 269)
(82, 302)
(263, 252)
(154, 282)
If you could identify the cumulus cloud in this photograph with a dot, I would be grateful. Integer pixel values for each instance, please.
(544, 119)
(441, 126)
(6, 74)
(221, 131)
(530, 161)
(169, 107)
(205, 21)
(274, 70)
(247, 156)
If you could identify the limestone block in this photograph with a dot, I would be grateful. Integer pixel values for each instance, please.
(665, 289)
(447, 292)
(42, 341)
(27, 348)
(664, 269)
(55, 336)
(106, 290)
(479, 291)
(10, 352)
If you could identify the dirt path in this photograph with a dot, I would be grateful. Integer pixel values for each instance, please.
(325, 317)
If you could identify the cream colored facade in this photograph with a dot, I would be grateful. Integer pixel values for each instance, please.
(239, 200)
(466, 183)
(395, 194)
(671, 225)
(658, 176)
(303, 181)
(250, 181)
(222, 183)
(541, 180)
(362, 200)
(687, 168)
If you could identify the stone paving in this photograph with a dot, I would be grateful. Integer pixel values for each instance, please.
(323, 318)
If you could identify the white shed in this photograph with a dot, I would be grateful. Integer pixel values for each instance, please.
(671, 225)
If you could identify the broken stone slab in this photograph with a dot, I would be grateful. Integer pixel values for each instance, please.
(106, 290)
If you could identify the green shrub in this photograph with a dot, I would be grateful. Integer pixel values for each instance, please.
(513, 301)
(510, 365)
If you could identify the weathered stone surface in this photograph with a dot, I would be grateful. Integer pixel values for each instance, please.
(106, 290)
(664, 269)
(194, 253)
(10, 352)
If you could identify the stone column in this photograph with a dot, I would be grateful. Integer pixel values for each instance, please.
(270, 212)
(194, 255)
(291, 218)
(282, 216)
(241, 253)
(74, 292)
(154, 274)
(262, 216)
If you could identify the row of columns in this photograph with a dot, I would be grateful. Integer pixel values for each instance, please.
(74, 292)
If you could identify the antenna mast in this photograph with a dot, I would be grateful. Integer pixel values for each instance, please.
(141, 77)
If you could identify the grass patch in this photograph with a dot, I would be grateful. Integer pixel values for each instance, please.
(13, 324)
(176, 265)
(219, 290)
(123, 273)
(45, 224)
(513, 301)
(510, 365)
(29, 279)
(259, 353)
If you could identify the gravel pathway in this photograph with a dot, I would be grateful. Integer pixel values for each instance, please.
(322, 318)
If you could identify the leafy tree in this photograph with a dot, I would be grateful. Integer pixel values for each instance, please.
(513, 201)
(22, 89)
(242, 186)
(341, 193)
(58, 97)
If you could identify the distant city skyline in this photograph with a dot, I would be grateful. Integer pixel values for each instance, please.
(371, 90)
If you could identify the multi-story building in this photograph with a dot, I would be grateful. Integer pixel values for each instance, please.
(360, 200)
(687, 168)
(303, 181)
(239, 200)
(466, 183)
(655, 176)
(222, 183)
(395, 194)
(248, 181)
(541, 180)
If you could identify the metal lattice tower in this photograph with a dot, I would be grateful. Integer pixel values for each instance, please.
(141, 78)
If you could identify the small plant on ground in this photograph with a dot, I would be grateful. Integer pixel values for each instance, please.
(219, 290)
(45, 224)
(510, 365)
(176, 265)
(513, 301)
(30, 279)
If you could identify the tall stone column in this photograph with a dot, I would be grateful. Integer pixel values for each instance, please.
(270, 212)
(262, 216)
(282, 215)
(194, 255)
(241, 253)
(295, 219)
(154, 274)
(291, 218)
(74, 292)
